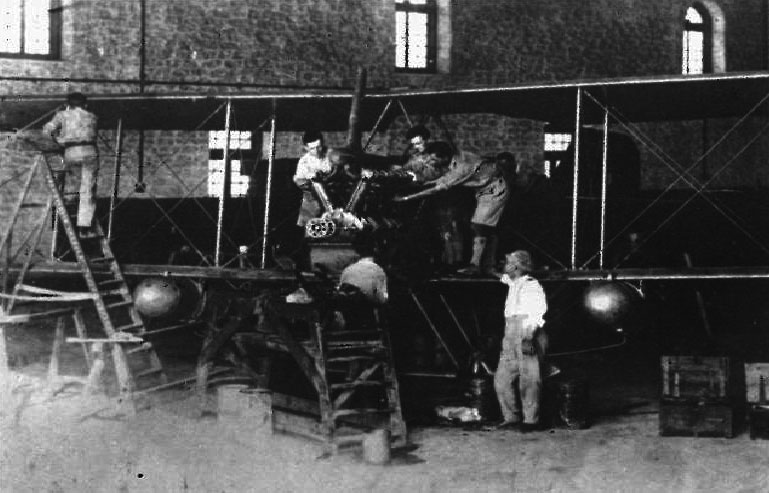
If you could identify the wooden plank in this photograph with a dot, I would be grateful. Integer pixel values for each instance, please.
(287, 422)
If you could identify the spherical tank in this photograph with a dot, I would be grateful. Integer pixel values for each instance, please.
(156, 297)
(608, 302)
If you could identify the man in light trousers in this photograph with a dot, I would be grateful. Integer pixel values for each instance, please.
(518, 379)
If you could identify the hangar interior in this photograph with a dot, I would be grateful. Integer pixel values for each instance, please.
(653, 264)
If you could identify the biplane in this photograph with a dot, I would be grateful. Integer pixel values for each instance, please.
(587, 234)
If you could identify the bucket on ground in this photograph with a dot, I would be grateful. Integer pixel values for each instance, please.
(230, 401)
(376, 447)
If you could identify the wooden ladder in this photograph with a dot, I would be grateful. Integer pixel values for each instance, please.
(358, 386)
(137, 364)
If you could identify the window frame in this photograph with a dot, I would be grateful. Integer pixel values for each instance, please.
(430, 7)
(55, 10)
(706, 28)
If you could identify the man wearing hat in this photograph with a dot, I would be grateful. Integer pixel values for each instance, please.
(74, 128)
(521, 357)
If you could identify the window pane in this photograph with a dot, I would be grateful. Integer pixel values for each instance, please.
(417, 40)
(215, 177)
(693, 16)
(238, 139)
(401, 39)
(36, 27)
(10, 26)
(557, 142)
(693, 56)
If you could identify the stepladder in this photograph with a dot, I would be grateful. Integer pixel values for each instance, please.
(347, 357)
(136, 362)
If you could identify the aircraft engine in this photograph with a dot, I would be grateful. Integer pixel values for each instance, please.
(179, 299)
(609, 302)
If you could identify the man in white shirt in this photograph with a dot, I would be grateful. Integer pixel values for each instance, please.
(523, 346)
(366, 275)
(313, 162)
(74, 128)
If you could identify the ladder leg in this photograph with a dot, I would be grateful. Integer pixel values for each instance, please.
(93, 382)
(54, 382)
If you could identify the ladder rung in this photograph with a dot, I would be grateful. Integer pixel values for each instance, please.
(165, 329)
(341, 359)
(354, 385)
(124, 328)
(145, 373)
(97, 260)
(354, 344)
(120, 304)
(32, 205)
(358, 412)
(112, 292)
(118, 339)
(352, 333)
(144, 347)
(107, 282)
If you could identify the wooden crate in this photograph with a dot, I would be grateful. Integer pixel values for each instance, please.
(703, 379)
(696, 419)
(757, 383)
(758, 419)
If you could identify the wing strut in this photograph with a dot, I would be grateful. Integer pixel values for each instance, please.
(224, 192)
(268, 186)
(575, 192)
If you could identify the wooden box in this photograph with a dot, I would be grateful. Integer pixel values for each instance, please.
(696, 419)
(758, 419)
(757, 383)
(696, 378)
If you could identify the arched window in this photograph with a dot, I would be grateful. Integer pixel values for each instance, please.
(696, 39)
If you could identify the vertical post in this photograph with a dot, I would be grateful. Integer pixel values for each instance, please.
(575, 191)
(354, 131)
(116, 175)
(223, 192)
(140, 186)
(268, 188)
(604, 173)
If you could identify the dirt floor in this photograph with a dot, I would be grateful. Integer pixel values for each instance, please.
(80, 443)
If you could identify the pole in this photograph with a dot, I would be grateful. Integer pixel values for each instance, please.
(604, 173)
(140, 186)
(575, 191)
(223, 192)
(268, 187)
(116, 174)
(354, 132)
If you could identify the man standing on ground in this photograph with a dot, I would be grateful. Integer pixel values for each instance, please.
(74, 128)
(523, 347)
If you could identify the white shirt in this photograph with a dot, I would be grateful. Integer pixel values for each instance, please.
(369, 277)
(309, 166)
(526, 297)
